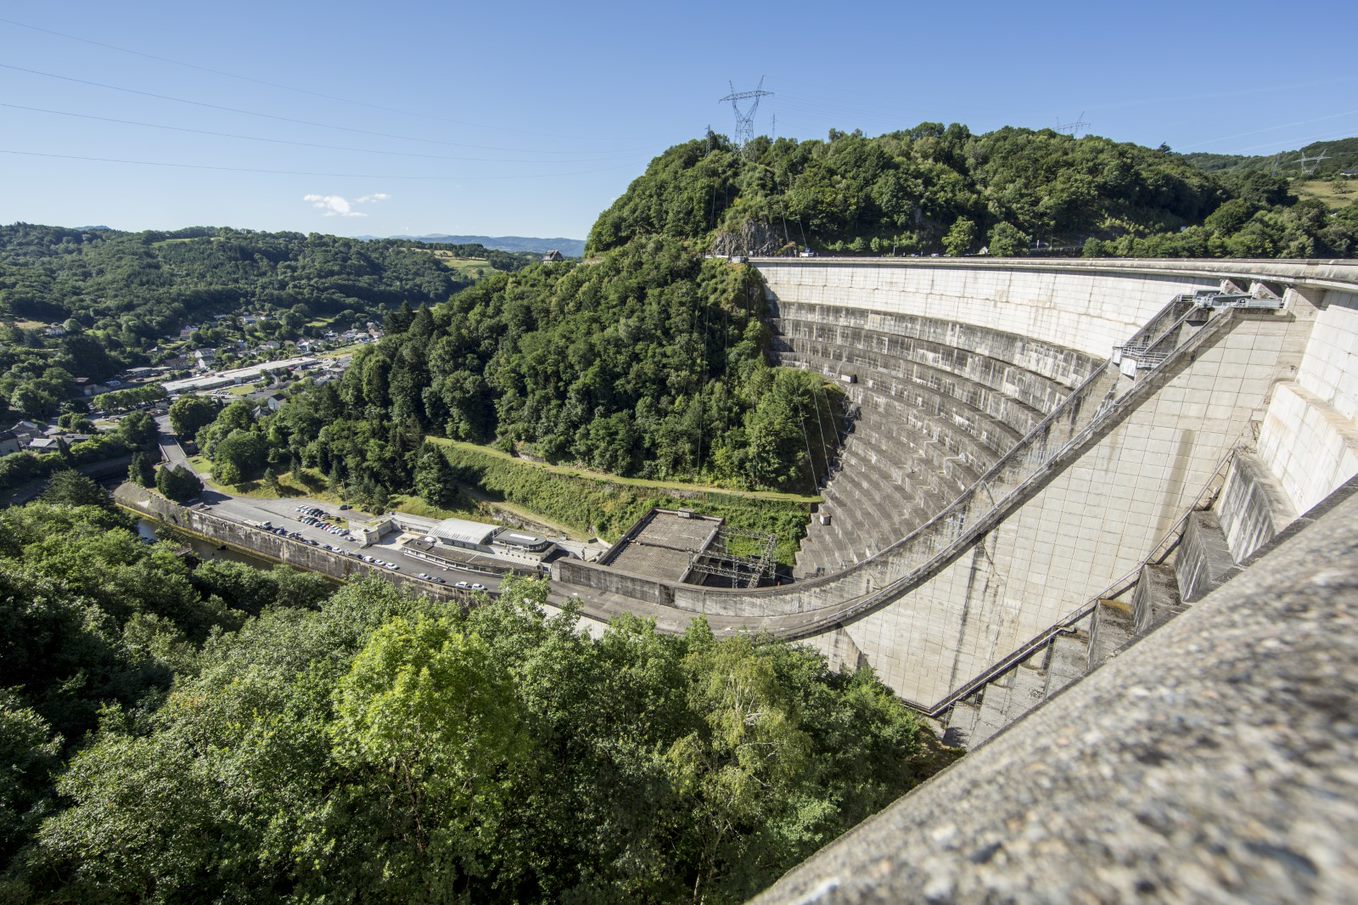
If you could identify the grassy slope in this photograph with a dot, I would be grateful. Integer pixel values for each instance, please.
(607, 506)
(1335, 194)
(676, 487)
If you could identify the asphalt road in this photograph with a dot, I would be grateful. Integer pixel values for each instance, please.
(170, 449)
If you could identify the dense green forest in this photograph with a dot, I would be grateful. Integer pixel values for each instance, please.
(178, 731)
(943, 190)
(116, 295)
(649, 361)
(1339, 156)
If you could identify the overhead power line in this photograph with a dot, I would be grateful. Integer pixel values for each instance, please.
(269, 84)
(272, 116)
(302, 144)
(1300, 122)
(1296, 142)
(270, 172)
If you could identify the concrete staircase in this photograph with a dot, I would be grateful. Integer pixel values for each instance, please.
(1161, 592)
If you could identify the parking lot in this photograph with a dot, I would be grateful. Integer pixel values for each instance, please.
(316, 524)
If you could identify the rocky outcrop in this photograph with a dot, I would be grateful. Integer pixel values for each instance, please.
(754, 237)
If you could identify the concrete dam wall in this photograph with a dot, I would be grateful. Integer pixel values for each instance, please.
(1003, 471)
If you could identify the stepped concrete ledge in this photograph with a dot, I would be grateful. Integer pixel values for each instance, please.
(1111, 629)
(1210, 762)
(1156, 597)
(1204, 562)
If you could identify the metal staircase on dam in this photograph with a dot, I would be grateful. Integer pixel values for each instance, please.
(1150, 346)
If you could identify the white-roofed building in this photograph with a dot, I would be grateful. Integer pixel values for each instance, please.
(456, 532)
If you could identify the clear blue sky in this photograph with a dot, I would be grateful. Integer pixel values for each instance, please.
(533, 117)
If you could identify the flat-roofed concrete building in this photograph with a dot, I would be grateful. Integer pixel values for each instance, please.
(469, 535)
(235, 376)
(517, 544)
(663, 544)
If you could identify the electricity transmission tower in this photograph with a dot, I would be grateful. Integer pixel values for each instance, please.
(1308, 164)
(1073, 129)
(745, 118)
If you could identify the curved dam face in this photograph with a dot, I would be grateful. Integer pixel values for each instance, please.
(1024, 435)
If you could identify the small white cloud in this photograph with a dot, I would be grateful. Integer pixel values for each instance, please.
(339, 206)
(333, 205)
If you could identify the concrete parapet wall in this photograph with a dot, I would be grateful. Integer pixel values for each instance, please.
(612, 581)
(1084, 304)
(1087, 311)
(1182, 770)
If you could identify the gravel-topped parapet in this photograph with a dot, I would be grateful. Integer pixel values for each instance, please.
(1213, 761)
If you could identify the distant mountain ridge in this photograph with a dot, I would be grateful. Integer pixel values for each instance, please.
(571, 248)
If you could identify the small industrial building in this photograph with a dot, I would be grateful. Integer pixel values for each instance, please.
(371, 532)
(516, 544)
(486, 538)
(236, 376)
(456, 532)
